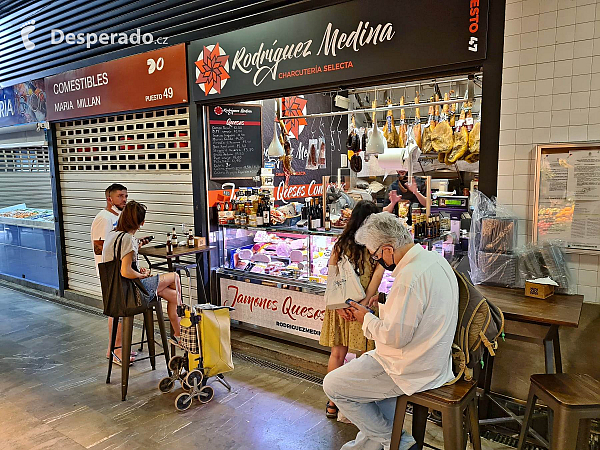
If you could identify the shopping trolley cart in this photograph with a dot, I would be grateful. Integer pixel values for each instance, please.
(205, 340)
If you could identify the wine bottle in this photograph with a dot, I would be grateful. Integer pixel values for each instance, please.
(267, 212)
(311, 216)
(190, 239)
(327, 219)
(169, 244)
(318, 214)
(174, 238)
(260, 220)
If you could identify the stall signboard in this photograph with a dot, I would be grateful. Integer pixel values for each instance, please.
(147, 80)
(293, 312)
(23, 103)
(337, 45)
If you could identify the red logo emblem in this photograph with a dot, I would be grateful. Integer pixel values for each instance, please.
(294, 106)
(212, 69)
(218, 110)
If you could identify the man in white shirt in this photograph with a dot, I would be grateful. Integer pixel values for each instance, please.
(104, 222)
(413, 335)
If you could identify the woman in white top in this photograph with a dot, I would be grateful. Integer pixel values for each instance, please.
(166, 285)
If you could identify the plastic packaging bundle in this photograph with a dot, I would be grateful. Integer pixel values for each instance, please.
(492, 243)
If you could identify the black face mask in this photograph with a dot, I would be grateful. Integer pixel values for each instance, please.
(403, 179)
(385, 265)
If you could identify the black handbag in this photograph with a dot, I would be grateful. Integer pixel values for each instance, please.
(122, 297)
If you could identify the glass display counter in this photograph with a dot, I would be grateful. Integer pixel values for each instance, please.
(275, 278)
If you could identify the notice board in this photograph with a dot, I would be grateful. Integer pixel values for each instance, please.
(567, 195)
(235, 141)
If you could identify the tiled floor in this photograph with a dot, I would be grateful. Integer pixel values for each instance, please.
(53, 395)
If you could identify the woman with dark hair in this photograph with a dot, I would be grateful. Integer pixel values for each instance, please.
(340, 331)
(166, 285)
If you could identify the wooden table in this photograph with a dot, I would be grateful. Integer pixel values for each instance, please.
(529, 319)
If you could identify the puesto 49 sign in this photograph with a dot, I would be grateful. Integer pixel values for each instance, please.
(147, 80)
(293, 312)
(340, 43)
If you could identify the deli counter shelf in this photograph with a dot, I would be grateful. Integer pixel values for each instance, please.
(293, 229)
(277, 252)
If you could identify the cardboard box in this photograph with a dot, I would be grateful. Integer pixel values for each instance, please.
(199, 241)
(538, 290)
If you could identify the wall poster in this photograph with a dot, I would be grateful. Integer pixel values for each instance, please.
(567, 196)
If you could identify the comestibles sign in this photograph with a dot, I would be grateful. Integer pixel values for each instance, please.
(147, 80)
(338, 44)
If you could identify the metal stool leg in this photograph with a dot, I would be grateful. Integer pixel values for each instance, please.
(419, 424)
(141, 349)
(113, 339)
(398, 422)
(125, 355)
(452, 428)
(163, 333)
(531, 399)
(474, 424)
(149, 322)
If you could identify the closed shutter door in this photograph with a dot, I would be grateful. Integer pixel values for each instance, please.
(25, 177)
(148, 152)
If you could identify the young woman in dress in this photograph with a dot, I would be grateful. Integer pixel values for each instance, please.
(166, 285)
(340, 331)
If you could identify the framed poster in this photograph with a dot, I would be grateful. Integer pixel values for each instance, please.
(567, 195)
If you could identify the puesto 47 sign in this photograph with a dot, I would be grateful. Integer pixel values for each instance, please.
(293, 312)
(340, 43)
(146, 80)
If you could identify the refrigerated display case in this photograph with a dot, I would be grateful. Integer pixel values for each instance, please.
(27, 244)
(275, 278)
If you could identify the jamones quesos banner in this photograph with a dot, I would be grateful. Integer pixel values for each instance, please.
(350, 41)
(285, 310)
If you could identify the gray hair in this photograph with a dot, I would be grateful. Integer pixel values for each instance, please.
(383, 229)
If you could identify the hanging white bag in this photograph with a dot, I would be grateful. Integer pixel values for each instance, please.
(342, 284)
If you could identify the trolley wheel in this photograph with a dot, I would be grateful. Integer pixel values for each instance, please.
(206, 394)
(194, 375)
(176, 363)
(166, 385)
(183, 401)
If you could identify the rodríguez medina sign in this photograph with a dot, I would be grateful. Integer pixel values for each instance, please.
(294, 312)
(338, 44)
(146, 80)
(23, 103)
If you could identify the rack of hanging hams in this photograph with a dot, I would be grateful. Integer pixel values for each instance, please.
(450, 134)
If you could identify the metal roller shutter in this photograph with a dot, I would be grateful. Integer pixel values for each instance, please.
(149, 152)
(25, 177)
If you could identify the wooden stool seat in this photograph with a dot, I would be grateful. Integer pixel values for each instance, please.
(452, 401)
(573, 400)
(568, 389)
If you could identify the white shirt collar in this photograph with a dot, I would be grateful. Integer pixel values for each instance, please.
(407, 258)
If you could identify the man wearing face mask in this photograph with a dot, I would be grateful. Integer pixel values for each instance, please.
(401, 190)
(413, 334)
(104, 222)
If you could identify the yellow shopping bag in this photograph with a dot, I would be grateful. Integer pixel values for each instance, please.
(215, 341)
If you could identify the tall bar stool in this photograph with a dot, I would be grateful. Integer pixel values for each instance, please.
(154, 305)
(457, 403)
(573, 399)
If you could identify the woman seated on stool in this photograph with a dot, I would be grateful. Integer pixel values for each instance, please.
(166, 285)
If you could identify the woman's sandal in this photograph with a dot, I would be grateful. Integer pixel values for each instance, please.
(328, 413)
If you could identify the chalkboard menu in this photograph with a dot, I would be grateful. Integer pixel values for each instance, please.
(235, 139)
